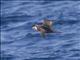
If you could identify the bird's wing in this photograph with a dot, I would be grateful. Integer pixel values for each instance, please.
(42, 31)
(48, 22)
(43, 34)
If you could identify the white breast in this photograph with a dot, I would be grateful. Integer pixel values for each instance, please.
(35, 28)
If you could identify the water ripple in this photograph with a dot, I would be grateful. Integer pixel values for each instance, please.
(20, 42)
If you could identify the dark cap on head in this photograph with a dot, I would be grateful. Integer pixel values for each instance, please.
(33, 25)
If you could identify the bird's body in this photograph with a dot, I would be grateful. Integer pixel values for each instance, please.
(45, 27)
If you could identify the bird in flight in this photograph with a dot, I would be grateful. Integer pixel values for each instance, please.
(44, 27)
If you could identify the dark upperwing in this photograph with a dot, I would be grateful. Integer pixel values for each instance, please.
(48, 23)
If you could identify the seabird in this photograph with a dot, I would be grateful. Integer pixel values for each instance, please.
(44, 27)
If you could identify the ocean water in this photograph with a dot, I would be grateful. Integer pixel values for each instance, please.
(20, 42)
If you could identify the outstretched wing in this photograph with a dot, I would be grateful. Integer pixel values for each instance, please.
(48, 22)
(42, 31)
(43, 34)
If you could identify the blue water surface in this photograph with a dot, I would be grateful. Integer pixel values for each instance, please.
(20, 42)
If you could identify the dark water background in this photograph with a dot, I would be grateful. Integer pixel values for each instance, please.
(20, 42)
